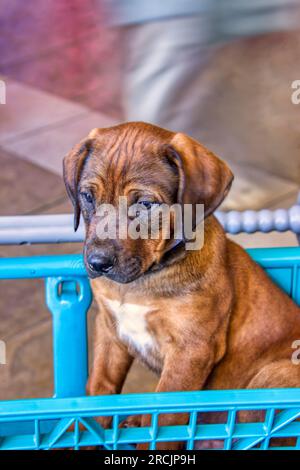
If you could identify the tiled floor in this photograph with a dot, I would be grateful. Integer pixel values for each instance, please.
(48, 146)
(29, 110)
(26, 188)
(255, 188)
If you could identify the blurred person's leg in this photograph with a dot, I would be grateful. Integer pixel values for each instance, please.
(238, 103)
(162, 72)
(166, 55)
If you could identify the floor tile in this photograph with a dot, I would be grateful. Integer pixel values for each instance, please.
(286, 201)
(25, 187)
(28, 370)
(48, 147)
(60, 205)
(140, 380)
(46, 196)
(30, 110)
(254, 188)
(22, 305)
(12, 251)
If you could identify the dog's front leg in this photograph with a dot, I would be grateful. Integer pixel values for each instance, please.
(182, 371)
(110, 367)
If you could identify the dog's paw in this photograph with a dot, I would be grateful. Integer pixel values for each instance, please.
(133, 421)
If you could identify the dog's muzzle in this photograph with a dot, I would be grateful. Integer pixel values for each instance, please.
(102, 263)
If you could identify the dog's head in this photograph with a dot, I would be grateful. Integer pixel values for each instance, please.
(147, 166)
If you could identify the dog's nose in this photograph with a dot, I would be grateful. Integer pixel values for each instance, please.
(101, 262)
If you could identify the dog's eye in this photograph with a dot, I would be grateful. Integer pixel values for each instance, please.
(87, 197)
(148, 204)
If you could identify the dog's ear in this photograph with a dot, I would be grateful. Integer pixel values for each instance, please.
(203, 177)
(72, 168)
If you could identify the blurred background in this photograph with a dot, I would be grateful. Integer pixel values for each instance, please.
(221, 71)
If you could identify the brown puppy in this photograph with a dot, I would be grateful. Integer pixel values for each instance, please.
(209, 318)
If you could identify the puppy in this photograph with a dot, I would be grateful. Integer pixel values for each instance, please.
(201, 319)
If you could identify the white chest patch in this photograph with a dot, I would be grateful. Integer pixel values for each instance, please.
(132, 324)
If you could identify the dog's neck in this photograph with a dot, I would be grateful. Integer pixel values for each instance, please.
(175, 253)
(184, 271)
